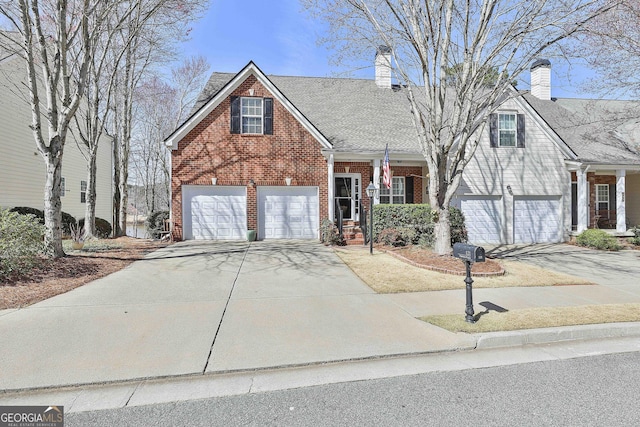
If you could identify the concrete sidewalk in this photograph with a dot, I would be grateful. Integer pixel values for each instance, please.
(202, 308)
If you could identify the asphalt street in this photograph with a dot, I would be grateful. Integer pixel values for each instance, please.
(597, 390)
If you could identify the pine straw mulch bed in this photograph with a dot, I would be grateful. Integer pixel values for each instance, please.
(53, 277)
(425, 258)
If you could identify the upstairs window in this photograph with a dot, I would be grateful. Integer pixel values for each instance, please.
(507, 130)
(251, 115)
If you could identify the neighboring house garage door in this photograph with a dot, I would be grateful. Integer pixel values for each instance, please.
(537, 220)
(214, 212)
(288, 212)
(483, 218)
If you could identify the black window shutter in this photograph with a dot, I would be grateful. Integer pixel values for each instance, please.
(408, 188)
(235, 114)
(612, 198)
(494, 136)
(521, 131)
(268, 116)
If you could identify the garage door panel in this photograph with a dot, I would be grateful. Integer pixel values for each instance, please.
(537, 220)
(483, 219)
(288, 212)
(214, 213)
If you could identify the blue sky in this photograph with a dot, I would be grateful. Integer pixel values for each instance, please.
(279, 37)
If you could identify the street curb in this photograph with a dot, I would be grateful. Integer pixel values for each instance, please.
(557, 334)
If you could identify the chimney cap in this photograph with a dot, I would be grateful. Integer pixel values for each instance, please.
(382, 49)
(541, 63)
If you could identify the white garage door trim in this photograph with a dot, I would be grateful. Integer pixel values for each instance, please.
(537, 219)
(483, 218)
(288, 212)
(214, 212)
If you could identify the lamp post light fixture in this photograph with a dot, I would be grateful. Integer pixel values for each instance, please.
(372, 192)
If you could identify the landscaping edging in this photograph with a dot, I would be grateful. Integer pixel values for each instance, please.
(444, 270)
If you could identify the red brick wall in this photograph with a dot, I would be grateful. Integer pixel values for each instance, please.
(594, 179)
(210, 150)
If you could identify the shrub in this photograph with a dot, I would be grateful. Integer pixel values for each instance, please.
(67, 219)
(397, 236)
(103, 227)
(21, 241)
(329, 233)
(598, 239)
(155, 223)
(419, 218)
(635, 240)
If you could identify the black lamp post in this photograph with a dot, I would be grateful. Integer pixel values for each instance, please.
(372, 191)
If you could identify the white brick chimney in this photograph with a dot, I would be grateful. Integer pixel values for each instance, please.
(383, 67)
(541, 79)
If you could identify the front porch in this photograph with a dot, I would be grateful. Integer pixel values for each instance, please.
(605, 197)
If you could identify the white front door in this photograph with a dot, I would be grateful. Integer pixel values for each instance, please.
(214, 212)
(348, 189)
(288, 213)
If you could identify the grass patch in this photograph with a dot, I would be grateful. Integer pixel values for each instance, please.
(386, 274)
(531, 318)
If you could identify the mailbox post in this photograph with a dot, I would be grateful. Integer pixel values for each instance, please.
(469, 254)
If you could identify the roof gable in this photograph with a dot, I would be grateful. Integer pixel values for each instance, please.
(207, 107)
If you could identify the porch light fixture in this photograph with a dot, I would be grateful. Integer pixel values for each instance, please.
(287, 180)
(372, 192)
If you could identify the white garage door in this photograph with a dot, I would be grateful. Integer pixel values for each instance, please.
(288, 212)
(214, 212)
(537, 220)
(483, 219)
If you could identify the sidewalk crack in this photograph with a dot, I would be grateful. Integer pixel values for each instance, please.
(224, 311)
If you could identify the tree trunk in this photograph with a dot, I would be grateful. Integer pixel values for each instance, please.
(442, 231)
(53, 207)
(90, 209)
(117, 231)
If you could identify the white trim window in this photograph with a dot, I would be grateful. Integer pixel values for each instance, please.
(63, 187)
(252, 109)
(602, 197)
(394, 195)
(507, 129)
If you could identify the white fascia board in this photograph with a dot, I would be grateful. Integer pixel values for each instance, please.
(371, 155)
(564, 148)
(226, 91)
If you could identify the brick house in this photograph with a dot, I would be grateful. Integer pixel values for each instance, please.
(278, 154)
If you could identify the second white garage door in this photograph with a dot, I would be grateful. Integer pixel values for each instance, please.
(483, 218)
(214, 212)
(537, 220)
(288, 212)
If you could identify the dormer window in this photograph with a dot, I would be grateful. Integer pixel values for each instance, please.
(251, 115)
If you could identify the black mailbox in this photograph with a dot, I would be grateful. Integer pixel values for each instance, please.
(468, 252)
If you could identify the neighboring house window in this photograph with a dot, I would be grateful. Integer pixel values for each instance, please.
(602, 197)
(395, 194)
(253, 116)
(507, 130)
(83, 191)
(62, 187)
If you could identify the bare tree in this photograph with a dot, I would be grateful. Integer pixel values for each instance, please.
(430, 39)
(610, 44)
(57, 39)
(162, 107)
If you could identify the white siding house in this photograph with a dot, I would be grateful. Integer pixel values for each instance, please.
(22, 169)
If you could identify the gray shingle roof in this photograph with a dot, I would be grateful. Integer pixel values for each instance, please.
(358, 116)
(354, 114)
(598, 131)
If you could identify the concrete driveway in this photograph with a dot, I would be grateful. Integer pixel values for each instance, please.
(620, 270)
(199, 307)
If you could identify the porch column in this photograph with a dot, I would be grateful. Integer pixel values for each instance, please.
(376, 179)
(330, 189)
(583, 198)
(621, 220)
